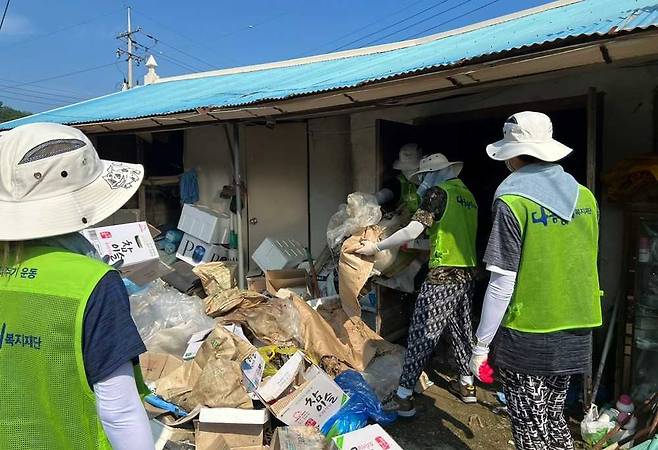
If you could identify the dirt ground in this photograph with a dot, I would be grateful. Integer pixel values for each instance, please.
(444, 422)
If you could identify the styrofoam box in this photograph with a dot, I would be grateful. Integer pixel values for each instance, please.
(208, 225)
(276, 254)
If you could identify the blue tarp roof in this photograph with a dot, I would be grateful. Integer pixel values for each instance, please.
(588, 18)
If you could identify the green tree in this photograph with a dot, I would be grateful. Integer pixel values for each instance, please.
(7, 113)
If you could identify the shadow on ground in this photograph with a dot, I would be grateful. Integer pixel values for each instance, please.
(444, 422)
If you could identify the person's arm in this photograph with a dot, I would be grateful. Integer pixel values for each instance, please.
(121, 411)
(110, 344)
(502, 256)
(431, 209)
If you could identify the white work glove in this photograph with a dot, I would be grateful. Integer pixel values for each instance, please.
(368, 248)
(479, 364)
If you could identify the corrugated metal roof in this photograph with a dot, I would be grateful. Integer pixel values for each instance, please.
(552, 24)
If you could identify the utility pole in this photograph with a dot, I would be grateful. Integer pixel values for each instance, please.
(130, 56)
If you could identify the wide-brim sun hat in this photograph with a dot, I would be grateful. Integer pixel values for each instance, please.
(435, 162)
(528, 133)
(52, 182)
(408, 158)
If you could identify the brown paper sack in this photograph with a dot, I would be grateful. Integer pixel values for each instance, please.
(223, 302)
(214, 378)
(354, 270)
(329, 333)
(275, 322)
(216, 276)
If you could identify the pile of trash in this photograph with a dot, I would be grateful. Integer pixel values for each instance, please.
(244, 369)
(287, 363)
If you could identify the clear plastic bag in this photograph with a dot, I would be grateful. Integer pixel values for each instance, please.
(361, 210)
(166, 318)
(362, 407)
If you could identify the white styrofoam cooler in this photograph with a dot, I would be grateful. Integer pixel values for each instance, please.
(276, 254)
(203, 223)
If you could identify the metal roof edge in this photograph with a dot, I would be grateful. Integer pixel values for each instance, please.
(370, 50)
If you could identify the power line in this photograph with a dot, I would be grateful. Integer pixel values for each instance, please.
(39, 92)
(64, 75)
(178, 62)
(20, 99)
(166, 56)
(65, 91)
(38, 95)
(4, 14)
(59, 30)
(389, 26)
(160, 41)
(379, 20)
(173, 30)
(455, 18)
(440, 13)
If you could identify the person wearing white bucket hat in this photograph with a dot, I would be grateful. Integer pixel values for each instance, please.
(401, 188)
(448, 212)
(67, 340)
(544, 287)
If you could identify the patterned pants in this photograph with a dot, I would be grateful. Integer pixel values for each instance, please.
(536, 408)
(438, 306)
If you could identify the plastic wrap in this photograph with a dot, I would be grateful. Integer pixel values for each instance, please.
(362, 407)
(166, 318)
(360, 211)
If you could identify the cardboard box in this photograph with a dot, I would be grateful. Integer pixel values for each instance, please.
(237, 427)
(294, 280)
(133, 244)
(205, 252)
(162, 434)
(256, 284)
(276, 254)
(310, 396)
(205, 224)
(372, 437)
(297, 438)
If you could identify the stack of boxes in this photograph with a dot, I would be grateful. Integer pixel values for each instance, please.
(207, 235)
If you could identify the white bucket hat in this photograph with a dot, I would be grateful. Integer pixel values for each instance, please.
(408, 158)
(528, 133)
(52, 182)
(435, 162)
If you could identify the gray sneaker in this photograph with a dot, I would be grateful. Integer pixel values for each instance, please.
(466, 393)
(403, 406)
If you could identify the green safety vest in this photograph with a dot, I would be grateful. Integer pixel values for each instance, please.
(408, 196)
(557, 284)
(452, 239)
(47, 402)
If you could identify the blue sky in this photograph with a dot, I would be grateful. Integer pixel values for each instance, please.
(53, 53)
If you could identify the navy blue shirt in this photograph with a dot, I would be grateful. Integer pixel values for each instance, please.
(110, 337)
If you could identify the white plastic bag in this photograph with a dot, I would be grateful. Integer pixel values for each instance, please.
(361, 210)
(593, 429)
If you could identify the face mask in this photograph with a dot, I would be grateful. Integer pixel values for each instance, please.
(509, 166)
